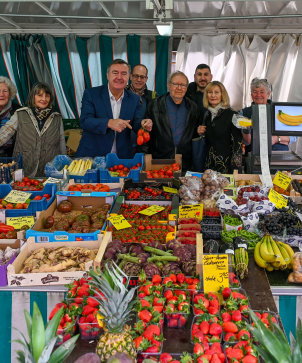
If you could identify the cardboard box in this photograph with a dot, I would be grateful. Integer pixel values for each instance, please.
(3, 268)
(114, 187)
(156, 164)
(253, 177)
(15, 278)
(74, 138)
(79, 203)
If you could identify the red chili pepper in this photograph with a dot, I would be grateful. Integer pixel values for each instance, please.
(5, 228)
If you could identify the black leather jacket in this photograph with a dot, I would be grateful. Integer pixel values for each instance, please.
(161, 143)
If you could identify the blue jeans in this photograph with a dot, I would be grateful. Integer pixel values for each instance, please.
(280, 147)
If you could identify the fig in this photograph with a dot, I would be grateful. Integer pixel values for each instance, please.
(11, 235)
(65, 206)
(49, 222)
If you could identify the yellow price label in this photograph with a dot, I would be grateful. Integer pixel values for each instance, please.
(153, 209)
(277, 199)
(18, 222)
(16, 196)
(215, 272)
(170, 190)
(114, 173)
(191, 211)
(282, 180)
(119, 222)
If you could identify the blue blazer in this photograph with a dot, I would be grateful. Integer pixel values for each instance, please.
(97, 138)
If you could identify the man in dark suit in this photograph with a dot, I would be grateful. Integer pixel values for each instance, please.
(108, 115)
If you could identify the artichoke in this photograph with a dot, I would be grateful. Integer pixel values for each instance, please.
(183, 253)
(192, 249)
(170, 268)
(118, 246)
(143, 257)
(156, 244)
(131, 268)
(110, 253)
(171, 245)
(151, 269)
(136, 249)
(189, 268)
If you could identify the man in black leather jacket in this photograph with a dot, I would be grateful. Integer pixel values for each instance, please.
(175, 121)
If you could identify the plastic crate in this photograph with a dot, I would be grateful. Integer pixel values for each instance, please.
(6, 172)
(35, 205)
(112, 159)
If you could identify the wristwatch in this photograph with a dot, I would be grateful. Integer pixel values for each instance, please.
(279, 139)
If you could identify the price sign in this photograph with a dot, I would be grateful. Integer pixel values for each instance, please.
(170, 190)
(16, 196)
(277, 199)
(18, 222)
(191, 211)
(153, 209)
(114, 173)
(119, 222)
(282, 180)
(52, 180)
(215, 272)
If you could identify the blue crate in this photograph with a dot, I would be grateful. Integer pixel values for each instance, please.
(35, 205)
(41, 237)
(112, 159)
(6, 172)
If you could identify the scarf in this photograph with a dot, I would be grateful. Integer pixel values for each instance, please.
(5, 113)
(214, 110)
(41, 115)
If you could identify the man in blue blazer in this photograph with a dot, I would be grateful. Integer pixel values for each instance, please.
(108, 115)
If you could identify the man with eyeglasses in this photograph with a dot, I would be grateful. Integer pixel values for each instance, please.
(108, 115)
(175, 119)
(202, 78)
(139, 78)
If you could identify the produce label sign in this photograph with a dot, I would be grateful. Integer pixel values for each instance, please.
(282, 180)
(170, 190)
(119, 222)
(16, 196)
(191, 211)
(277, 199)
(18, 222)
(215, 272)
(52, 180)
(153, 209)
(113, 173)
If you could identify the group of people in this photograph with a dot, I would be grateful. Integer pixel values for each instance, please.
(111, 114)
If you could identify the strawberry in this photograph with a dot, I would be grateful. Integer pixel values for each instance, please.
(92, 302)
(88, 310)
(229, 327)
(144, 303)
(184, 307)
(204, 326)
(198, 336)
(168, 294)
(230, 337)
(151, 330)
(249, 359)
(158, 308)
(215, 358)
(234, 353)
(170, 308)
(180, 278)
(158, 301)
(215, 329)
(182, 321)
(236, 315)
(145, 315)
(152, 349)
(83, 290)
(216, 348)
(173, 278)
(244, 335)
(213, 310)
(226, 293)
(167, 281)
(156, 280)
(165, 358)
(172, 323)
(198, 349)
(226, 316)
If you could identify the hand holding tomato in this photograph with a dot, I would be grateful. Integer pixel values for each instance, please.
(147, 124)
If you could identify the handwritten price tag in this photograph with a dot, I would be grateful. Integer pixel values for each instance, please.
(277, 199)
(282, 180)
(119, 222)
(170, 190)
(191, 211)
(18, 222)
(153, 209)
(215, 272)
(16, 196)
(52, 180)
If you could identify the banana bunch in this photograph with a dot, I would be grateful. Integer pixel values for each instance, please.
(273, 255)
(79, 166)
(289, 120)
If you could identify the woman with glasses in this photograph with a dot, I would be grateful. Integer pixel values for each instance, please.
(175, 120)
(224, 140)
(261, 91)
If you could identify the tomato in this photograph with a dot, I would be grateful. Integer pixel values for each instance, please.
(38, 197)
(140, 132)
(19, 206)
(140, 140)
(35, 182)
(121, 167)
(9, 206)
(146, 136)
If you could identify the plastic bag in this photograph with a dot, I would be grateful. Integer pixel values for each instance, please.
(296, 275)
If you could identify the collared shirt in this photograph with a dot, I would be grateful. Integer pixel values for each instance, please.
(177, 115)
(116, 109)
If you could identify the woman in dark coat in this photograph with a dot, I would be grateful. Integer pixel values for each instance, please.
(224, 140)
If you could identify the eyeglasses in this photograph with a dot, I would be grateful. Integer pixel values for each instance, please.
(137, 76)
(181, 85)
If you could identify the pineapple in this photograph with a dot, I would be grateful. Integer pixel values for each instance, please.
(273, 346)
(116, 306)
(42, 341)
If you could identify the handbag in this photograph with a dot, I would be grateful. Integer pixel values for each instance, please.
(199, 153)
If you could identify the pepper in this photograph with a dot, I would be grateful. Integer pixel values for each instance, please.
(5, 228)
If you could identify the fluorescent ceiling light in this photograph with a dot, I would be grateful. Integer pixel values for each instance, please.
(165, 28)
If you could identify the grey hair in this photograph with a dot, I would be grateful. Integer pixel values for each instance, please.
(12, 88)
(177, 73)
(261, 82)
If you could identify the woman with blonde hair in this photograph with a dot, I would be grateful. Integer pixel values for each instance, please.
(39, 131)
(8, 92)
(224, 140)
